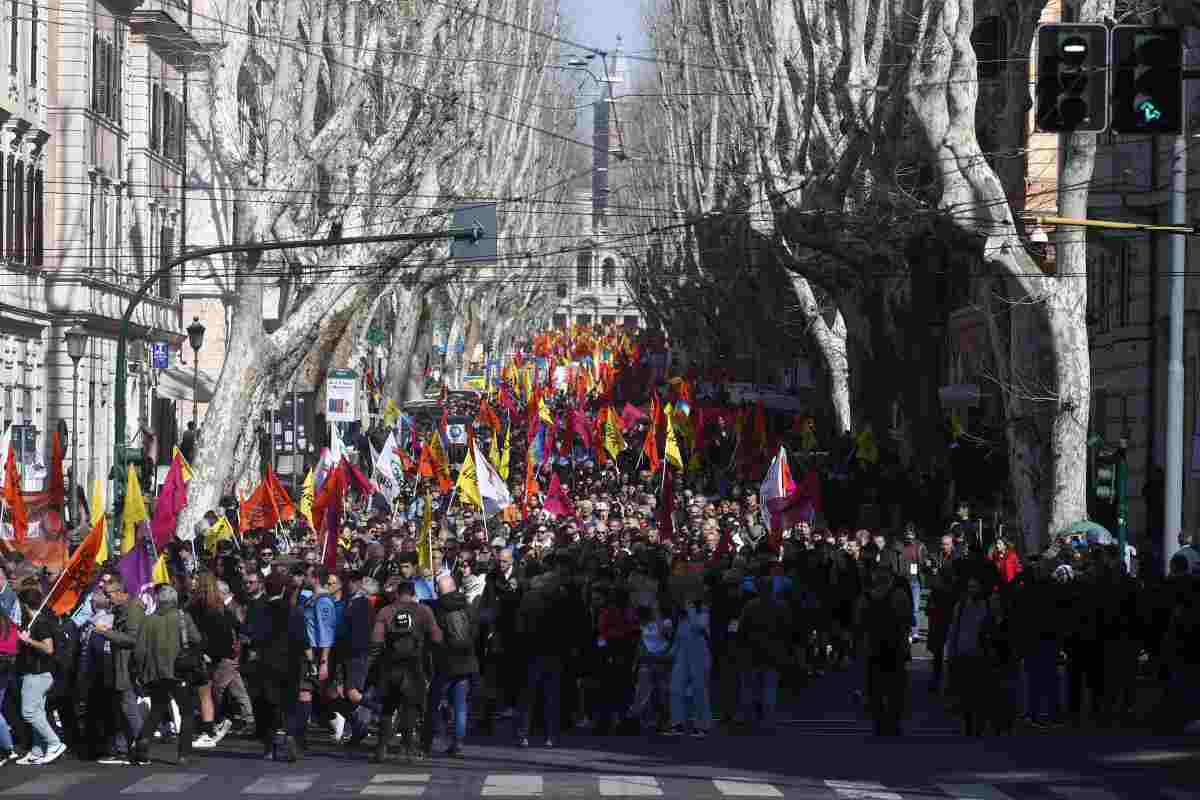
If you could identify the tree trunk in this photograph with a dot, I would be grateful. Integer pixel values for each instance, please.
(406, 331)
(830, 342)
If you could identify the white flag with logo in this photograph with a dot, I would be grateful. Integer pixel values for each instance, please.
(389, 469)
(492, 489)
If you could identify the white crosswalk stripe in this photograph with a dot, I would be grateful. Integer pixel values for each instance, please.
(1083, 793)
(282, 784)
(396, 785)
(861, 790)
(629, 786)
(856, 727)
(973, 791)
(52, 784)
(169, 783)
(512, 786)
(741, 787)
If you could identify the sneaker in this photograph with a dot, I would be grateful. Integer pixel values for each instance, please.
(222, 730)
(114, 760)
(675, 730)
(550, 744)
(699, 733)
(11, 755)
(338, 723)
(454, 752)
(29, 759)
(204, 742)
(523, 742)
(53, 754)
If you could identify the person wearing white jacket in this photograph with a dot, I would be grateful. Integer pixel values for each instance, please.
(690, 672)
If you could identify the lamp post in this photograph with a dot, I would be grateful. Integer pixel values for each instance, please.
(195, 333)
(77, 341)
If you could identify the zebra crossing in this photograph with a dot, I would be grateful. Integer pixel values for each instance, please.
(512, 786)
(861, 728)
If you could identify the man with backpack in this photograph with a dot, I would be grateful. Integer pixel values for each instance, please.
(886, 618)
(456, 665)
(399, 645)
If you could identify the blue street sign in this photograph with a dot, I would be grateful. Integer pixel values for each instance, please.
(160, 356)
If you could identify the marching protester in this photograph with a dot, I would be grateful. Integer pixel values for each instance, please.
(601, 552)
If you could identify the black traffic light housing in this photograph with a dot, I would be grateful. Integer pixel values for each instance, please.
(1147, 93)
(1072, 78)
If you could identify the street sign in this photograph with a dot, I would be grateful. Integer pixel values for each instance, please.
(480, 251)
(341, 391)
(160, 355)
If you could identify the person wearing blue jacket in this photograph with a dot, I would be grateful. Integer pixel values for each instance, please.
(692, 664)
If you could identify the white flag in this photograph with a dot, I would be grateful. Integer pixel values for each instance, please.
(5, 444)
(389, 469)
(492, 489)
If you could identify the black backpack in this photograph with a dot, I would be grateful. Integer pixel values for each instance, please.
(457, 628)
(401, 637)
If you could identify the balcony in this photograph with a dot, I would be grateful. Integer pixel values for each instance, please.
(121, 8)
(164, 26)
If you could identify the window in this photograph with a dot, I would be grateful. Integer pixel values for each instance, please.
(607, 319)
(102, 259)
(106, 77)
(14, 44)
(166, 124)
(18, 213)
(990, 48)
(583, 319)
(608, 274)
(10, 222)
(29, 212)
(560, 321)
(33, 43)
(561, 290)
(155, 116)
(1100, 271)
(583, 272)
(39, 220)
(165, 251)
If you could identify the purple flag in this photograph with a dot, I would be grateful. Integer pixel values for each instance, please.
(137, 565)
(171, 501)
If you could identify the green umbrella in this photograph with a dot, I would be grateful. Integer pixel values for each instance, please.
(1095, 532)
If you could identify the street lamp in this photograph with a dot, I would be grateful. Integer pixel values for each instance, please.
(195, 333)
(77, 341)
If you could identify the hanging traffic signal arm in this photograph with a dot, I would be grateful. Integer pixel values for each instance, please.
(1179, 230)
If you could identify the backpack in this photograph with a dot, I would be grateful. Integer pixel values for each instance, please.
(457, 630)
(66, 648)
(400, 637)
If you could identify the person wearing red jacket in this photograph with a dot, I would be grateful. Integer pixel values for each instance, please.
(1006, 561)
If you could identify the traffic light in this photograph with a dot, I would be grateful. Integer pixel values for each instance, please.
(1072, 78)
(1147, 95)
(1106, 480)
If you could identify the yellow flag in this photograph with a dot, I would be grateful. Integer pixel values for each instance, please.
(306, 498)
(218, 532)
(425, 542)
(98, 514)
(502, 467)
(528, 382)
(544, 411)
(134, 511)
(391, 413)
(614, 442)
(494, 452)
(468, 484)
(185, 467)
(160, 574)
(671, 447)
(868, 451)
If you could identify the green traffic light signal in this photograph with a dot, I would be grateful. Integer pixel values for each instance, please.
(1147, 79)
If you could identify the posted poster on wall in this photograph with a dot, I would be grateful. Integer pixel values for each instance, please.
(341, 391)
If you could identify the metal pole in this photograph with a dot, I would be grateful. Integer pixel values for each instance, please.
(73, 504)
(195, 387)
(1173, 502)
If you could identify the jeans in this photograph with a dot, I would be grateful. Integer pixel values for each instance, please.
(131, 717)
(688, 675)
(34, 689)
(759, 687)
(1041, 667)
(915, 584)
(456, 690)
(544, 672)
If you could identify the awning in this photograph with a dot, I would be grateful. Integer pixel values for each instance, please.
(176, 384)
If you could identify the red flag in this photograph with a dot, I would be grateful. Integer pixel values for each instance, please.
(487, 416)
(171, 500)
(327, 512)
(666, 519)
(77, 577)
(650, 448)
(55, 485)
(557, 502)
(13, 498)
(630, 415)
(582, 427)
(268, 505)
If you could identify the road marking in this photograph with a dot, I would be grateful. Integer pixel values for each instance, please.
(282, 784)
(740, 787)
(629, 786)
(1083, 793)
(1179, 794)
(164, 782)
(861, 790)
(973, 791)
(400, 784)
(512, 786)
(51, 784)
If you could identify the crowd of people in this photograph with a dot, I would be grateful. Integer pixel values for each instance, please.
(660, 603)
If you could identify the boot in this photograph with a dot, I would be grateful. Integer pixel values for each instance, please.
(385, 735)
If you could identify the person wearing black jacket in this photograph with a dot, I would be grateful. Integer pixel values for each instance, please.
(541, 624)
(456, 667)
(277, 642)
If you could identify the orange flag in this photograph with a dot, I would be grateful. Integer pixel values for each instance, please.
(487, 415)
(77, 577)
(434, 463)
(13, 498)
(55, 486)
(268, 505)
(650, 448)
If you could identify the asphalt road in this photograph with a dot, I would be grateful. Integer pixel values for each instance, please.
(821, 749)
